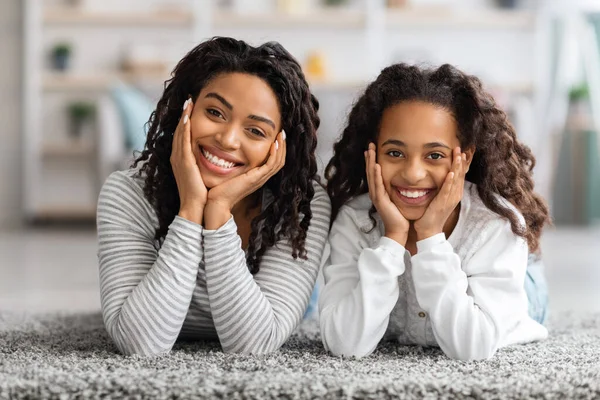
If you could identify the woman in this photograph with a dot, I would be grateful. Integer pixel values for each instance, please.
(217, 231)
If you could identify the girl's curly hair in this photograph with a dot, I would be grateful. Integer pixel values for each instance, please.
(289, 214)
(501, 164)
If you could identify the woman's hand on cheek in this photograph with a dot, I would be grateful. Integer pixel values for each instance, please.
(441, 207)
(191, 188)
(222, 198)
(396, 226)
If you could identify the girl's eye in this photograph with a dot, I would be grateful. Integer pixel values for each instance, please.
(394, 153)
(435, 156)
(256, 132)
(214, 113)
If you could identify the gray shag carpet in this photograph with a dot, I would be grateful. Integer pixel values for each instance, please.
(71, 356)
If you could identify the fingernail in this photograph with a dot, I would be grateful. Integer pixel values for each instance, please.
(185, 103)
(185, 119)
(276, 145)
(283, 134)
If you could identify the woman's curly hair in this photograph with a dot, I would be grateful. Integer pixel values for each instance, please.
(501, 164)
(289, 214)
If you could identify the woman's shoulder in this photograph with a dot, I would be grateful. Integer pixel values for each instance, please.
(123, 191)
(126, 181)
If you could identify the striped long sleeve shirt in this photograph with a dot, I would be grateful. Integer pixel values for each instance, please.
(196, 283)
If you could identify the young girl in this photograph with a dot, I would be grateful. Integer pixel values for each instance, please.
(433, 221)
(217, 231)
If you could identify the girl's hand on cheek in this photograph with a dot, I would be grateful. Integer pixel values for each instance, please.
(223, 197)
(396, 226)
(191, 188)
(441, 207)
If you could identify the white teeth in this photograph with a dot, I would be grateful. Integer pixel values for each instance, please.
(413, 195)
(219, 162)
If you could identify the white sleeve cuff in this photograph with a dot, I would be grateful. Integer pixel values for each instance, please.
(391, 246)
(429, 243)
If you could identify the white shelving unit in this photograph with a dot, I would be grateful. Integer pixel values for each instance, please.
(62, 176)
(68, 15)
(62, 173)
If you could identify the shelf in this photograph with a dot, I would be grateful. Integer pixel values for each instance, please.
(442, 18)
(427, 17)
(67, 150)
(98, 81)
(75, 16)
(326, 18)
(331, 85)
(523, 88)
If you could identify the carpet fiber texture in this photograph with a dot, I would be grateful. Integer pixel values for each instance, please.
(71, 356)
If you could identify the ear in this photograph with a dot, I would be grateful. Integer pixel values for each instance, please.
(469, 153)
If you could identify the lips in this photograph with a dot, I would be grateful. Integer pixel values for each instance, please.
(218, 161)
(413, 196)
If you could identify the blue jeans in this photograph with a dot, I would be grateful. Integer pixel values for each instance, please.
(314, 301)
(536, 289)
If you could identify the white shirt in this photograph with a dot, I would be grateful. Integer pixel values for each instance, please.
(464, 294)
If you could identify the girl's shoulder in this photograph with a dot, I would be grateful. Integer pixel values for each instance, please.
(356, 212)
(478, 224)
(477, 210)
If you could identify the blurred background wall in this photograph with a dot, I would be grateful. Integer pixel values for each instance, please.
(11, 35)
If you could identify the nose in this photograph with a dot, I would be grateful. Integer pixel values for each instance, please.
(413, 172)
(228, 138)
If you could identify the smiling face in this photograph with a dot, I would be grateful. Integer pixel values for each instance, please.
(235, 120)
(414, 149)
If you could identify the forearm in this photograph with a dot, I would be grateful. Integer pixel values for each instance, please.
(465, 327)
(145, 298)
(355, 315)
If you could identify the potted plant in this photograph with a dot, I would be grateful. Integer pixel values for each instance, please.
(334, 3)
(61, 55)
(579, 113)
(80, 114)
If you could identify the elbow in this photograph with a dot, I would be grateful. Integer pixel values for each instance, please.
(247, 351)
(264, 346)
(477, 355)
(341, 349)
(474, 350)
(135, 345)
(130, 349)
(342, 346)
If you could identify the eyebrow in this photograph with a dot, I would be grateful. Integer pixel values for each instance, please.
(262, 119)
(220, 98)
(230, 107)
(400, 143)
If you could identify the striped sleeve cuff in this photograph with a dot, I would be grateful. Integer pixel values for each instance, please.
(185, 239)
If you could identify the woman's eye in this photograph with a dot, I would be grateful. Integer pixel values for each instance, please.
(435, 156)
(214, 113)
(394, 153)
(256, 132)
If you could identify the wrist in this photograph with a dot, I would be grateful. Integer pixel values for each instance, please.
(426, 234)
(192, 215)
(216, 215)
(400, 238)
